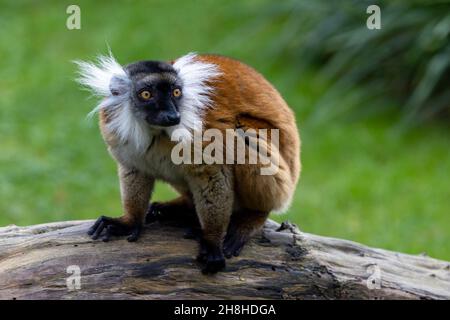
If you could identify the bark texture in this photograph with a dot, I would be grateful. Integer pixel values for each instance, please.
(281, 263)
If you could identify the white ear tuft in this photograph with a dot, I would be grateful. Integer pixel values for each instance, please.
(97, 76)
(106, 78)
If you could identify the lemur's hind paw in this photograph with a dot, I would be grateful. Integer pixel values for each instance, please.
(154, 212)
(114, 227)
(233, 244)
(176, 212)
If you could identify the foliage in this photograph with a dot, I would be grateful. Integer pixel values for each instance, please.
(407, 60)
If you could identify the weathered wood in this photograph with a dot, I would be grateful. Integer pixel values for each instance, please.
(282, 263)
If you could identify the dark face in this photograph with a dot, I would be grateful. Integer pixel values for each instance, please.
(155, 93)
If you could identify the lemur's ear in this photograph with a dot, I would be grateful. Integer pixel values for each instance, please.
(119, 86)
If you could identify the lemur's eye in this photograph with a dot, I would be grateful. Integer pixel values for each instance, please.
(145, 95)
(176, 92)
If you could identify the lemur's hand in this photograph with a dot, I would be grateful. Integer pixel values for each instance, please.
(114, 227)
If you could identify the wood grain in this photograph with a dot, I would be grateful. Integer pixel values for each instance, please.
(281, 263)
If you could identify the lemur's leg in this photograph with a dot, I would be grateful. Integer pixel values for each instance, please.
(243, 225)
(135, 189)
(212, 190)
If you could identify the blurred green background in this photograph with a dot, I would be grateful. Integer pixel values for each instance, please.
(372, 107)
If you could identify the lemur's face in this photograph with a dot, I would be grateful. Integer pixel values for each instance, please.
(155, 92)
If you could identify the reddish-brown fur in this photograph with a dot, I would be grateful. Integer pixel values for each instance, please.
(244, 98)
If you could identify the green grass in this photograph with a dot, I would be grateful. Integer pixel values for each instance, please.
(361, 179)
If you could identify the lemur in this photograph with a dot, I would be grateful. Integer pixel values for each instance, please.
(146, 102)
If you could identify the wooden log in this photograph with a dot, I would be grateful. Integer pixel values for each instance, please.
(281, 263)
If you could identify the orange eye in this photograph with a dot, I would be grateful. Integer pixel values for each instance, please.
(145, 95)
(177, 92)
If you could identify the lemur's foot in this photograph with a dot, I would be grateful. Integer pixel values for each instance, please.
(242, 227)
(212, 257)
(233, 245)
(235, 240)
(154, 212)
(114, 227)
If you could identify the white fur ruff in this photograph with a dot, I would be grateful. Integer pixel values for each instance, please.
(195, 99)
(196, 93)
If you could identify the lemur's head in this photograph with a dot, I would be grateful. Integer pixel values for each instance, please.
(149, 96)
(155, 92)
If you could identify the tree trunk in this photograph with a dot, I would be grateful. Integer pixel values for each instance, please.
(42, 261)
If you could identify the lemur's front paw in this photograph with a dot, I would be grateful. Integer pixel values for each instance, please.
(212, 258)
(114, 227)
(213, 264)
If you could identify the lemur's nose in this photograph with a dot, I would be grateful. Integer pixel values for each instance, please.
(173, 118)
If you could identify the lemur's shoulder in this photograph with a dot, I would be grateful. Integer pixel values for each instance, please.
(239, 91)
